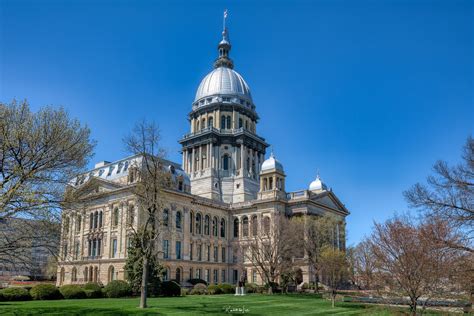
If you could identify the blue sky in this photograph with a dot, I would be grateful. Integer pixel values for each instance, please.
(371, 93)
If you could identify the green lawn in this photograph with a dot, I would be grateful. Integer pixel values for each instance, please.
(193, 305)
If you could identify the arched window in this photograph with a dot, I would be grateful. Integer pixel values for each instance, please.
(111, 273)
(96, 274)
(100, 219)
(86, 274)
(214, 226)
(191, 222)
(166, 216)
(245, 226)
(178, 219)
(207, 223)
(203, 125)
(225, 162)
(91, 274)
(198, 223)
(246, 124)
(116, 216)
(236, 228)
(223, 122)
(91, 220)
(223, 228)
(254, 225)
(165, 274)
(240, 123)
(96, 219)
(228, 122)
(210, 122)
(178, 275)
(74, 275)
(266, 225)
(197, 125)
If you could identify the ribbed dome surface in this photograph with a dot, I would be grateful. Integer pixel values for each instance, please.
(271, 164)
(223, 81)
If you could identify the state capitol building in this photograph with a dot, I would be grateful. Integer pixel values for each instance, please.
(225, 191)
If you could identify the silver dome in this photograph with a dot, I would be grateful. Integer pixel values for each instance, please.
(317, 185)
(272, 164)
(223, 81)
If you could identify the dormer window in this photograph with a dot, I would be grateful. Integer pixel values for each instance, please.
(111, 168)
(119, 168)
(101, 172)
(125, 168)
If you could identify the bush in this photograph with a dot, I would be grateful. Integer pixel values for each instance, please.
(227, 288)
(117, 288)
(170, 288)
(93, 290)
(214, 289)
(199, 289)
(251, 288)
(305, 286)
(197, 281)
(72, 291)
(184, 291)
(45, 292)
(15, 294)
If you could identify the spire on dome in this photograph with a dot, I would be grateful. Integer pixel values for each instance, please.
(224, 48)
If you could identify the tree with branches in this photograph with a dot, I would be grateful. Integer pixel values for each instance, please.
(411, 262)
(334, 268)
(151, 179)
(39, 153)
(318, 232)
(449, 195)
(271, 251)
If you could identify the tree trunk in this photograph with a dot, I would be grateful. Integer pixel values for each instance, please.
(143, 287)
(333, 295)
(413, 306)
(270, 290)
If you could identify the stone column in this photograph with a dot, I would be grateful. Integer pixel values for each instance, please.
(193, 160)
(211, 155)
(242, 159)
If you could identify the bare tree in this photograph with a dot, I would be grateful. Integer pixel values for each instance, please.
(271, 251)
(410, 262)
(449, 195)
(334, 268)
(318, 232)
(39, 153)
(364, 265)
(151, 179)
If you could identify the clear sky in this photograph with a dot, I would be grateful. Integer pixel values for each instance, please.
(371, 93)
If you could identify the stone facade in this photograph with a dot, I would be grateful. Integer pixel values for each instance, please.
(222, 189)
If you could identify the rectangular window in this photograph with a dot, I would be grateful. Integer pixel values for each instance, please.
(178, 250)
(114, 248)
(200, 253)
(215, 276)
(76, 251)
(223, 254)
(165, 249)
(235, 276)
(208, 253)
(215, 254)
(223, 276)
(254, 276)
(208, 275)
(198, 273)
(191, 253)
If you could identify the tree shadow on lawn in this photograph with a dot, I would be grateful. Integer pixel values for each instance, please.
(13, 309)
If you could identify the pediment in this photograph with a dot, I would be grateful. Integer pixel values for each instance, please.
(96, 186)
(329, 199)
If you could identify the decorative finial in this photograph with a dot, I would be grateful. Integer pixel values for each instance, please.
(224, 47)
(317, 174)
(225, 17)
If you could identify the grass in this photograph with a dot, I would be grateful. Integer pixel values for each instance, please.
(195, 305)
